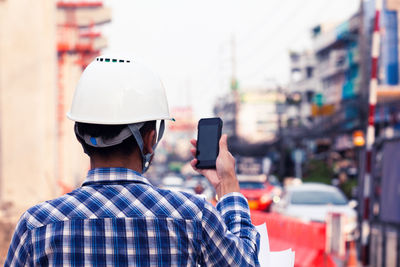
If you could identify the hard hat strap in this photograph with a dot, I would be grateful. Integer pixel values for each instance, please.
(132, 129)
(101, 142)
(160, 133)
(135, 127)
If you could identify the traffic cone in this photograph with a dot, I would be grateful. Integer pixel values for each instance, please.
(352, 259)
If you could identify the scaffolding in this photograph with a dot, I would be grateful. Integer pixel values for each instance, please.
(78, 36)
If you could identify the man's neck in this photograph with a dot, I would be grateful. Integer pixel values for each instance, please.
(133, 162)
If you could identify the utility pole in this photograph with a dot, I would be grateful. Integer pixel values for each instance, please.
(370, 140)
(234, 83)
(233, 62)
(221, 67)
(363, 109)
(282, 155)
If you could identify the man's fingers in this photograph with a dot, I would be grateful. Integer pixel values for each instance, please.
(193, 142)
(193, 162)
(223, 142)
(193, 151)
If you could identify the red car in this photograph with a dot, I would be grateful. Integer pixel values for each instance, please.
(258, 192)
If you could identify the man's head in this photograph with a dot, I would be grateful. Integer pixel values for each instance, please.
(116, 105)
(109, 132)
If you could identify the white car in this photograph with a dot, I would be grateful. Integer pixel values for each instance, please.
(174, 183)
(313, 202)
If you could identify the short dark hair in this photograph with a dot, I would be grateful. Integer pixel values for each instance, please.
(107, 132)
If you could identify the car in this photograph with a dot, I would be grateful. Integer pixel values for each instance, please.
(172, 180)
(175, 182)
(313, 202)
(258, 191)
(195, 185)
(200, 186)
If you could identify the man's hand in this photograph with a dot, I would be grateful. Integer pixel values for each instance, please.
(223, 178)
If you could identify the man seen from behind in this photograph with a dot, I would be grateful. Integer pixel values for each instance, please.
(117, 217)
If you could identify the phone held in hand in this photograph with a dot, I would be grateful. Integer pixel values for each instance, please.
(208, 135)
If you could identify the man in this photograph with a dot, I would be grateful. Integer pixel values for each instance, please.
(117, 217)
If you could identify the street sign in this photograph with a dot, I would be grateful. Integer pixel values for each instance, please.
(319, 99)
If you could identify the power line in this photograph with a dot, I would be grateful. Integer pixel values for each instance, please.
(275, 55)
(256, 28)
(270, 59)
(278, 30)
(261, 68)
(281, 33)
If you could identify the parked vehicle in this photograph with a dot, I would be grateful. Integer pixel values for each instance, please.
(200, 186)
(313, 201)
(195, 184)
(258, 191)
(175, 182)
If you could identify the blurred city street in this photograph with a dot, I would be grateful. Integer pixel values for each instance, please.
(308, 92)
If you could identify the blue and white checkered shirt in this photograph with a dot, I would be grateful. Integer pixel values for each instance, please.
(117, 218)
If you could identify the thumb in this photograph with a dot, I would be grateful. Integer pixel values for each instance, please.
(223, 143)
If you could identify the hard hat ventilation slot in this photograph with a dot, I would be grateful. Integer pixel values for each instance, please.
(112, 60)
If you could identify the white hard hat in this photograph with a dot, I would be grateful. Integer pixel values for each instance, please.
(118, 90)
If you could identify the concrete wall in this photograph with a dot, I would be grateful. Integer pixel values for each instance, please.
(29, 156)
(27, 101)
(27, 109)
(31, 151)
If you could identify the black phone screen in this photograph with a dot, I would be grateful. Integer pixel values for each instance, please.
(208, 142)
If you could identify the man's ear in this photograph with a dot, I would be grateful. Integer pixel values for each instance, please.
(149, 139)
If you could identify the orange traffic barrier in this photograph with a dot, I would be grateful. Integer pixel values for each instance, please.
(307, 239)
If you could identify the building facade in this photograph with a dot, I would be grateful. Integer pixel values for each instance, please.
(257, 117)
(337, 52)
(27, 109)
(27, 102)
(225, 108)
(39, 156)
(302, 88)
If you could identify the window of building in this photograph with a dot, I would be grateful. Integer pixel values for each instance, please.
(294, 57)
(296, 75)
(309, 72)
(309, 96)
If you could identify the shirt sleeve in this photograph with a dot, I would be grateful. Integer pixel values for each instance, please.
(18, 252)
(228, 236)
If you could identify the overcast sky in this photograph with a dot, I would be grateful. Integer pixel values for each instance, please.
(189, 42)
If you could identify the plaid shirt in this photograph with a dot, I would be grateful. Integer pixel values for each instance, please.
(118, 218)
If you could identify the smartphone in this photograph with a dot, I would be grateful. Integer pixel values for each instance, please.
(208, 135)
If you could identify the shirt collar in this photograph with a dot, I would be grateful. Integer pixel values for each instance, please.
(114, 174)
